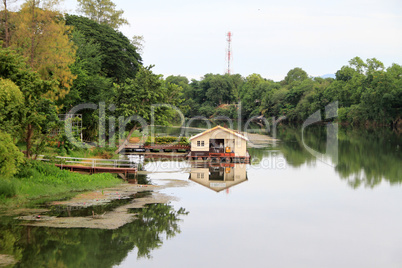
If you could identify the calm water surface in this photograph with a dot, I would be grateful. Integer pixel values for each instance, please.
(285, 209)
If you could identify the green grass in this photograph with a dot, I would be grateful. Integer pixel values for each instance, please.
(37, 180)
(7, 188)
(93, 152)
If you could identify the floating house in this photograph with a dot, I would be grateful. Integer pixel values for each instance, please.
(220, 144)
(219, 177)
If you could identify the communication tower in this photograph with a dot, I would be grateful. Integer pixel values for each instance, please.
(229, 51)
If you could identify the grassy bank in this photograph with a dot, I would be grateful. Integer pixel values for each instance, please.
(91, 152)
(37, 180)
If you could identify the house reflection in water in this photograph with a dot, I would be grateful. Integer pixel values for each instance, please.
(218, 177)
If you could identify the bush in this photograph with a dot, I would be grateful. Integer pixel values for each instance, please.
(343, 114)
(167, 140)
(184, 141)
(10, 156)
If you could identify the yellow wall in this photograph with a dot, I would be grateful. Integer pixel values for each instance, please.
(240, 145)
(198, 174)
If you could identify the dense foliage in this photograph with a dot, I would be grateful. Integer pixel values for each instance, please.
(365, 91)
(118, 57)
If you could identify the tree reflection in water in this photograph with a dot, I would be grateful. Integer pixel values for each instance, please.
(53, 247)
(365, 156)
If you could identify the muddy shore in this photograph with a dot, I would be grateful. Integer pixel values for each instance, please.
(110, 219)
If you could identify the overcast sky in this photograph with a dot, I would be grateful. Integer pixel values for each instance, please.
(185, 37)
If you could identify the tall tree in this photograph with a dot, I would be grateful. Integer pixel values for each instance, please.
(41, 35)
(5, 21)
(37, 112)
(103, 12)
(136, 96)
(296, 74)
(119, 58)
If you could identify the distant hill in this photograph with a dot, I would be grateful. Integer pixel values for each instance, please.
(328, 76)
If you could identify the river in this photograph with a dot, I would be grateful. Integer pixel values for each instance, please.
(289, 207)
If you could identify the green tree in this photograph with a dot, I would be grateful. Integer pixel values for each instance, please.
(11, 103)
(296, 74)
(178, 80)
(103, 12)
(251, 94)
(119, 58)
(136, 96)
(90, 86)
(358, 64)
(219, 89)
(37, 111)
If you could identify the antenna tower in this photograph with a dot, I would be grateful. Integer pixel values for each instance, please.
(229, 51)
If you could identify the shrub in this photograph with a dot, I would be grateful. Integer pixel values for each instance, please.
(167, 140)
(10, 156)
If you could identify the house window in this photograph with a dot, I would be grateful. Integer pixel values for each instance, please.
(200, 143)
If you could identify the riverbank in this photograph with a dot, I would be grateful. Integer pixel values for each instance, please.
(137, 196)
(38, 181)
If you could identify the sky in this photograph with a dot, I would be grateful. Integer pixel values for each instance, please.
(188, 38)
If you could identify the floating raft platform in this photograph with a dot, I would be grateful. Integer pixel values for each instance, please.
(219, 157)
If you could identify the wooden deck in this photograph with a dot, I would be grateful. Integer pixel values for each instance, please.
(93, 170)
(93, 166)
(219, 157)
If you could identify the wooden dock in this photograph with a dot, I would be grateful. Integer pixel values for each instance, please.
(93, 166)
(93, 170)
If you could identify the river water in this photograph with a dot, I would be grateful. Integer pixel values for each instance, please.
(289, 207)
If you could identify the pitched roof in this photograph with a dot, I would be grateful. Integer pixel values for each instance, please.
(215, 188)
(220, 128)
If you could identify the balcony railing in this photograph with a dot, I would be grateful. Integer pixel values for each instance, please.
(217, 150)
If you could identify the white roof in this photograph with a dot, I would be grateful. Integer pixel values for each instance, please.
(220, 128)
